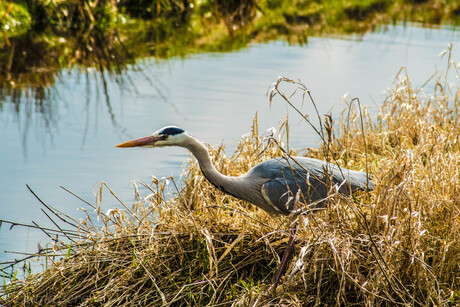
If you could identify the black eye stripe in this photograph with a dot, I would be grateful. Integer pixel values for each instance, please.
(171, 131)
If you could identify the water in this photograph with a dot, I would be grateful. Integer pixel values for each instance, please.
(69, 140)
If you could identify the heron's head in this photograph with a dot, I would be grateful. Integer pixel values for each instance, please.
(167, 136)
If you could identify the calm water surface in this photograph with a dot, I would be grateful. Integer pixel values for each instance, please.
(70, 140)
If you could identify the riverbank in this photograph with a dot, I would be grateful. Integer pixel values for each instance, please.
(42, 38)
(396, 244)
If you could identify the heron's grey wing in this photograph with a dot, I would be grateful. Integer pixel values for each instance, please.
(295, 185)
(355, 180)
(344, 178)
(279, 196)
(284, 178)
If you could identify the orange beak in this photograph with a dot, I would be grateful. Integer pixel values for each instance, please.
(146, 141)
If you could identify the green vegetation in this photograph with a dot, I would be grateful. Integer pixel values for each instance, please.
(42, 37)
(395, 245)
(14, 19)
(63, 16)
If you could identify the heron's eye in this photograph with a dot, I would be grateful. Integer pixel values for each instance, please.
(163, 136)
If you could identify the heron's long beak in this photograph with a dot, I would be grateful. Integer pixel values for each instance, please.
(146, 141)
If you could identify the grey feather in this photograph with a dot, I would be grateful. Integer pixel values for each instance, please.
(312, 177)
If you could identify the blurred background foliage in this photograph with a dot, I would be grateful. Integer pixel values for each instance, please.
(42, 37)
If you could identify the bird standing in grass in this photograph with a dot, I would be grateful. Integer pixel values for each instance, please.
(277, 186)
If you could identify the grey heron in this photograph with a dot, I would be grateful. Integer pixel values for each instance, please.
(275, 185)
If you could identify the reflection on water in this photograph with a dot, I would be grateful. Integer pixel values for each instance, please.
(65, 134)
(31, 63)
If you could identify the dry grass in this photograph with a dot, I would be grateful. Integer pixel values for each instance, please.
(398, 245)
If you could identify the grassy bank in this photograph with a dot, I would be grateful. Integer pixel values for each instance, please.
(42, 38)
(64, 16)
(398, 244)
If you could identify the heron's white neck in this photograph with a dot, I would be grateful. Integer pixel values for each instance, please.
(243, 187)
(227, 184)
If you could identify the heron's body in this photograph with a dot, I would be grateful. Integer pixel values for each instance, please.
(282, 182)
(276, 185)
